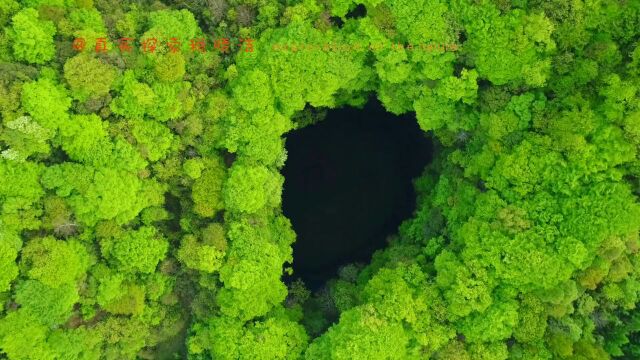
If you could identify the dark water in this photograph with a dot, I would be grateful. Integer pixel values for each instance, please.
(348, 185)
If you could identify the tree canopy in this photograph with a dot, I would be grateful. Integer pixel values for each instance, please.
(141, 194)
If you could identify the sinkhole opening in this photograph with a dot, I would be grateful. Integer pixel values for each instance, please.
(348, 186)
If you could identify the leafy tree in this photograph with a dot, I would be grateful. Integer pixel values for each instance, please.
(250, 188)
(193, 168)
(135, 184)
(167, 24)
(123, 338)
(79, 343)
(88, 77)
(51, 306)
(6, 9)
(198, 256)
(172, 100)
(274, 338)
(9, 247)
(25, 138)
(47, 103)
(24, 337)
(207, 189)
(500, 318)
(154, 139)
(135, 98)
(102, 194)
(86, 139)
(170, 67)
(32, 37)
(55, 262)
(20, 192)
(362, 334)
(251, 273)
(214, 235)
(136, 250)
(130, 301)
(513, 48)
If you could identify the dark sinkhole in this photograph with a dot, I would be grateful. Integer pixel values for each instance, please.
(348, 185)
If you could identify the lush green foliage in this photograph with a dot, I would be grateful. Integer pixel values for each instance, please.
(140, 192)
(32, 38)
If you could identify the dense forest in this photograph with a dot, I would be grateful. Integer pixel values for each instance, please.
(141, 148)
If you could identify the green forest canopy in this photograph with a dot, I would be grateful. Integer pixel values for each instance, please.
(140, 193)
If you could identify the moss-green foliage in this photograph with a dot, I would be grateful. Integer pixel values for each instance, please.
(136, 251)
(49, 305)
(202, 257)
(9, 247)
(102, 194)
(47, 102)
(206, 191)
(20, 192)
(88, 77)
(32, 37)
(135, 98)
(154, 139)
(140, 193)
(55, 262)
(251, 188)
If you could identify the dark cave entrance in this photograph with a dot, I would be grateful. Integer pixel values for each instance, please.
(348, 185)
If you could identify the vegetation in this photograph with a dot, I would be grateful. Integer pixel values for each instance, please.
(140, 191)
